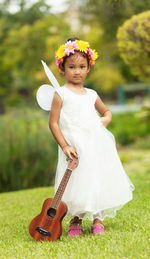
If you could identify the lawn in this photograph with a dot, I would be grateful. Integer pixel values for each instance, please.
(126, 236)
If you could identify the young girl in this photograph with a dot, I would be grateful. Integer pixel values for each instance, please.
(99, 185)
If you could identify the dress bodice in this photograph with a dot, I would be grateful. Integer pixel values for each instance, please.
(78, 110)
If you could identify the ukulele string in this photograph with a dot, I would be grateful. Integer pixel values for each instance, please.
(58, 194)
(61, 188)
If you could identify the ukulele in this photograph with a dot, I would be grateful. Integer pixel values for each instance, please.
(47, 226)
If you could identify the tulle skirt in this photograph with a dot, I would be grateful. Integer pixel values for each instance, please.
(99, 185)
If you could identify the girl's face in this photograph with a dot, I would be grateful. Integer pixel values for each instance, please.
(76, 68)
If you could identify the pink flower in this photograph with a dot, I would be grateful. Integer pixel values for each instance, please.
(70, 47)
(58, 62)
(90, 53)
(69, 51)
(71, 43)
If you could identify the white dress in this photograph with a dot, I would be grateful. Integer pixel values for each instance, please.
(99, 185)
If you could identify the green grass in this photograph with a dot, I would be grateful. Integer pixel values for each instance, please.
(127, 235)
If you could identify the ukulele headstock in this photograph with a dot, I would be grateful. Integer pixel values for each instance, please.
(72, 164)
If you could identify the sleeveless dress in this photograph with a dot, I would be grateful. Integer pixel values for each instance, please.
(99, 185)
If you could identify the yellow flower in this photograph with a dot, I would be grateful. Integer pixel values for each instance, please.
(82, 45)
(77, 45)
(95, 55)
(60, 52)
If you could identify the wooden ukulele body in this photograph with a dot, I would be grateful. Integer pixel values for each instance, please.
(47, 226)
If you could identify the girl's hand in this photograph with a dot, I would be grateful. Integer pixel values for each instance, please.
(68, 150)
(105, 121)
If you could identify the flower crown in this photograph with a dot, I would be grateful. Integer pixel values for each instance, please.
(71, 46)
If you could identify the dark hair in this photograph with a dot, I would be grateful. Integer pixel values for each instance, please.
(73, 39)
(84, 55)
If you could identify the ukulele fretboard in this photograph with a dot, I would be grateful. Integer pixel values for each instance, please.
(61, 189)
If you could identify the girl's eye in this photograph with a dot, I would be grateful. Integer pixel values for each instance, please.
(82, 66)
(71, 67)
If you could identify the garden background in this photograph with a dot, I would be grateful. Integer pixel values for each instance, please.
(120, 32)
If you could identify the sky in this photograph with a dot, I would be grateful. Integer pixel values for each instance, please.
(57, 5)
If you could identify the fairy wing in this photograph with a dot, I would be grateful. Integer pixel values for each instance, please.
(44, 96)
(45, 92)
(50, 75)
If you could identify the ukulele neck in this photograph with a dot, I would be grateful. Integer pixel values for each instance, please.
(61, 189)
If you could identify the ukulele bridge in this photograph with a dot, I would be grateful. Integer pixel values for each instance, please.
(43, 231)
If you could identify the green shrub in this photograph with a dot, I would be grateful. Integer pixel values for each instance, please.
(133, 43)
(128, 127)
(28, 154)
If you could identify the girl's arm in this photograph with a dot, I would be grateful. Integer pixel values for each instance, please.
(104, 111)
(54, 127)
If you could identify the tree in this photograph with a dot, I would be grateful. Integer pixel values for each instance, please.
(24, 42)
(134, 44)
(10, 25)
(109, 14)
(22, 51)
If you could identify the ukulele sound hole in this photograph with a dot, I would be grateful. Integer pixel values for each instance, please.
(51, 212)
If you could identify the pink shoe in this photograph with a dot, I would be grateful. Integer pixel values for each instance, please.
(74, 230)
(97, 228)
